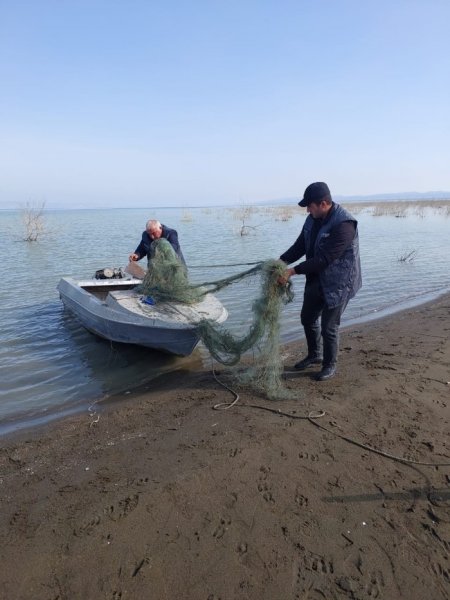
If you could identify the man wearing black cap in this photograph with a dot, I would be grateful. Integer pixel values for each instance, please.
(329, 242)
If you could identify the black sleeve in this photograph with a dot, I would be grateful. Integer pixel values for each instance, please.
(296, 251)
(334, 247)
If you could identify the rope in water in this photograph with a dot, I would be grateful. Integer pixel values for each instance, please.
(218, 284)
(244, 264)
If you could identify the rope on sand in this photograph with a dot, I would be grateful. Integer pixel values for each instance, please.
(380, 452)
(312, 418)
(226, 405)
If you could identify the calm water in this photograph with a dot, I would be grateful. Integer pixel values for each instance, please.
(49, 365)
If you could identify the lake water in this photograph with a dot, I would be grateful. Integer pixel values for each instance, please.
(50, 366)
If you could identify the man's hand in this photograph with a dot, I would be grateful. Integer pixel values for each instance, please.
(133, 257)
(283, 279)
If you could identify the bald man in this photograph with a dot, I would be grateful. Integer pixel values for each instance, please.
(154, 230)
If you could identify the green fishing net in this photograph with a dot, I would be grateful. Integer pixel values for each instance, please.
(167, 280)
(263, 336)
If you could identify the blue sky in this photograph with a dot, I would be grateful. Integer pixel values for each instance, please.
(141, 103)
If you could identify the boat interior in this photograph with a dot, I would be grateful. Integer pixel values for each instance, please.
(101, 289)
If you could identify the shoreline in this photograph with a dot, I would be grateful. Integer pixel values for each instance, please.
(404, 199)
(16, 427)
(165, 496)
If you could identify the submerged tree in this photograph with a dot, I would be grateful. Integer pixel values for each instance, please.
(407, 256)
(33, 219)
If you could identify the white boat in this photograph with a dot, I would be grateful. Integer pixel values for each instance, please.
(114, 310)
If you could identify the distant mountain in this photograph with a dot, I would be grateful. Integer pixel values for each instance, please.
(398, 197)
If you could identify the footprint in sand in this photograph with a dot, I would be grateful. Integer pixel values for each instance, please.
(234, 451)
(88, 526)
(263, 487)
(19, 519)
(375, 586)
(307, 456)
(122, 508)
(300, 499)
(231, 500)
(319, 564)
(242, 548)
(221, 528)
(141, 481)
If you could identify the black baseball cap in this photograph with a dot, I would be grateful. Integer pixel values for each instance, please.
(314, 192)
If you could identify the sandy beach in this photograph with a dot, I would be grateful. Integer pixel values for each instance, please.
(158, 496)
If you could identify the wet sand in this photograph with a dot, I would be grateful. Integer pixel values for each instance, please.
(161, 497)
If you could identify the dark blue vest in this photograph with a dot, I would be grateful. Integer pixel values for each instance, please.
(342, 278)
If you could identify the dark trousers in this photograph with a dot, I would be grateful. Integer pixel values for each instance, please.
(313, 309)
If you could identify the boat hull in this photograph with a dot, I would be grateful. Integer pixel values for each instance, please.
(121, 317)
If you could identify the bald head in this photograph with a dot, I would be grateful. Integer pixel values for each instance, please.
(154, 229)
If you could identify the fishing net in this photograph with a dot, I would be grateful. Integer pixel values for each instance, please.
(263, 336)
(167, 280)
